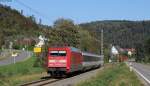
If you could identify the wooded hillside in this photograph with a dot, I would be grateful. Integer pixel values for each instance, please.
(14, 25)
(123, 33)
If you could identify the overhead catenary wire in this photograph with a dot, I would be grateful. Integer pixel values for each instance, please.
(33, 10)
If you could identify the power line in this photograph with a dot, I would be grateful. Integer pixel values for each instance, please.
(33, 10)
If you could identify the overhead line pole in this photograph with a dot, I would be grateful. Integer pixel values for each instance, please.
(102, 52)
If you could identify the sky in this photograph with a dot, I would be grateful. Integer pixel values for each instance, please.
(82, 11)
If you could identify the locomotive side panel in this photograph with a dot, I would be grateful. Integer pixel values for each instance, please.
(76, 61)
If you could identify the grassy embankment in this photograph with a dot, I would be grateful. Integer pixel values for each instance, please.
(113, 75)
(15, 74)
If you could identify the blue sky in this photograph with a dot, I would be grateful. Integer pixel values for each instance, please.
(83, 10)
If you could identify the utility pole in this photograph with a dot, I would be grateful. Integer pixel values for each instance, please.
(21, 12)
(40, 21)
(102, 52)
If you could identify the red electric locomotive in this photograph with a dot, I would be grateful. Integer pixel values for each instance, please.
(66, 60)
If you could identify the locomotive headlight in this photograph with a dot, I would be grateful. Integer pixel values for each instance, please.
(63, 61)
(52, 61)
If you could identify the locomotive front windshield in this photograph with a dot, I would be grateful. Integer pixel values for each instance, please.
(58, 53)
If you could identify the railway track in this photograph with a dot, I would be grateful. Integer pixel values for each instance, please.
(41, 82)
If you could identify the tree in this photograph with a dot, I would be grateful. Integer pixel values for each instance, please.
(147, 50)
(88, 42)
(64, 23)
(64, 32)
(1, 39)
(147, 46)
(139, 56)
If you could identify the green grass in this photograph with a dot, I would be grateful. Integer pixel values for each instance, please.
(11, 75)
(113, 75)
